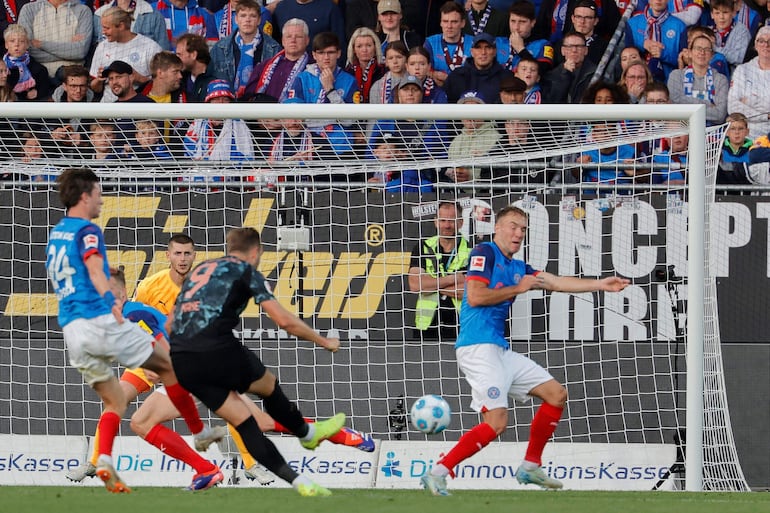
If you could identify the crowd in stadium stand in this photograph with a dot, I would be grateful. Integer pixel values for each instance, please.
(380, 51)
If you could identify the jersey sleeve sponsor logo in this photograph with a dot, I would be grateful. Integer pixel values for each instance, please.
(91, 241)
(478, 263)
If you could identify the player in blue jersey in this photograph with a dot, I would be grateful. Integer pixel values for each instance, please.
(494, 372)
(93, 326)
(216, 366)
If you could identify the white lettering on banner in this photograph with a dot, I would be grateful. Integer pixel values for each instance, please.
(763, 212)
(582, 238)
(732, 221)
(581, 466)
(630, 226)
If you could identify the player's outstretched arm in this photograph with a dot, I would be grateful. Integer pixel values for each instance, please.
(95, 266)
(574, 284)
(296, 326)
(480, 294)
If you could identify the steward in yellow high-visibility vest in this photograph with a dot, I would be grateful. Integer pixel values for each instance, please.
(437, 273)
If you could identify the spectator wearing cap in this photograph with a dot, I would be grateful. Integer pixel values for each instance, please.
(234, 57)
(217, 139)
(422, 137)
(567, 81)
(482, 17)
(59, 32)
(449, 49)
(275, 76)
(123, 45)
(481, 72)
(557, 17)
(522, 43)
(585, 20)
(325, 82)
(476, 139)
(512, 89)
(389, 28)
(119, 78)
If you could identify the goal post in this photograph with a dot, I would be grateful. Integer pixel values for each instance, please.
(358, 295)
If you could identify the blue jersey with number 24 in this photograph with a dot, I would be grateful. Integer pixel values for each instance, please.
(70, 243)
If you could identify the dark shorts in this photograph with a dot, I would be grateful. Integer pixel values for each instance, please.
(212, 375)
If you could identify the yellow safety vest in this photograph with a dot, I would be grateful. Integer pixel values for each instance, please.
(428, 303)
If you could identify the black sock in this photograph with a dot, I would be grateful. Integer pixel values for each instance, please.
(264, 451)
(285, 412)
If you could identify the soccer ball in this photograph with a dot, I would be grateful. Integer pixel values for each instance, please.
(431, 414)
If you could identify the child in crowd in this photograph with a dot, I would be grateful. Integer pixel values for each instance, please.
(528, 70)
(384, 90)
(33, 82)
(389, 150)
(601, 133)
(733, 162)
(723, 23)
(150, 144)
(418, 65)
(103, 136)
(674, 160)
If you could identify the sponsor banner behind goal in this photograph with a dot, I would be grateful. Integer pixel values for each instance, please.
(44, 460)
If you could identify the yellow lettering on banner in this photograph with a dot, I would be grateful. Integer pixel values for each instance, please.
(349, 266)
(22, 305)
(383, 267)
(175, 224)
(267, 264)
(318, 267)
(127, 207)
(259, 210)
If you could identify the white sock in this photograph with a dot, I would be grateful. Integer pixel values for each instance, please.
(104, 459)
(301, 480)
(529, 466)
(439, 470)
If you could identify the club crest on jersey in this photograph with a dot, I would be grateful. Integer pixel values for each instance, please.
(493, 392)
(91, 241)
(477, 263)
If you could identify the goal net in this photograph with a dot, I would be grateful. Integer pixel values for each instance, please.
(342, 196)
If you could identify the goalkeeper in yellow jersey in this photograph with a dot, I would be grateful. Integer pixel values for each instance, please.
(160, 291)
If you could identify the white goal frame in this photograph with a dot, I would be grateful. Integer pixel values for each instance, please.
(693, 116)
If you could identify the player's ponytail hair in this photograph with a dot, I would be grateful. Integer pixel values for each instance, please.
(242, 239)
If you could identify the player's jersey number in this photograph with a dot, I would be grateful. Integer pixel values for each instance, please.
(60, 272)
(200, 277)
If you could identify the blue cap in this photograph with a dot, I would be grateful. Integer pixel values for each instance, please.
(409, 80)
(218, 88)
(471, 97)
(483, 36)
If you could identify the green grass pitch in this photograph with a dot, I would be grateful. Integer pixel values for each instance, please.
(44, 499)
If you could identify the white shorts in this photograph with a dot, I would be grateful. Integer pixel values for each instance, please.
(93, 344)
(495, 373)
